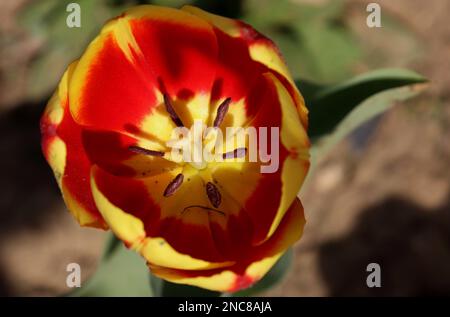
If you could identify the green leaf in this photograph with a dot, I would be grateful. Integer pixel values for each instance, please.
(329, 105)
(121, 272)
(337, 110)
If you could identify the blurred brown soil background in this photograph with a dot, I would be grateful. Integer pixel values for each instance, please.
(382, 195)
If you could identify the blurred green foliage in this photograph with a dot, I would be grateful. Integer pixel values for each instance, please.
(313, 38)
(46, 21)
(337, 110)
(121, 272)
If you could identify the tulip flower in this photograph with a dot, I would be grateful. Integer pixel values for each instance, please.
(217, 225)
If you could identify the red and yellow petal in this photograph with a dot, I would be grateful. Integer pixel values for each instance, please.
(176, 219)
(133, 225)
(184, 60)
(277, 109)
(244, 274)
(130, 196)
(125, 226)
(108, 91)
(265, 51)
(63, 149)
(159, 252)
(295, 139)
(236, 71)
(226, 25)
(263, 198)
(122, 75)
(260, 49)
(111, 151)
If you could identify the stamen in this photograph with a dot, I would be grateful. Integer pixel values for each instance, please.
(173, 185)
(173, 115)
(140, 150)
(221, 112)
(238, 153)
(213, 194)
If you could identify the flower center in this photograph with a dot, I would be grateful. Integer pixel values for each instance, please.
(197, 140)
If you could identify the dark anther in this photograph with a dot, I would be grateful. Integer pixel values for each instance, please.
(173, 185)
(213, 194)
(173, 115)
(139, 150)
(221, 112)
(239, 152)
